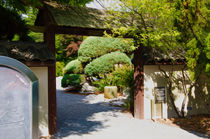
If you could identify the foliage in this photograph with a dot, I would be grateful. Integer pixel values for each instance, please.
(62, 41)
(73, 48)
(192, 22)
(75, 2)
(19, 5)
(94, 47)
(10, 24)
(207, 51)
(74, 66)
(30, 18)
(148, 22)
(168, 26)
(72, 80)
(105, 63)
(122, 77)
(23, 5)
(59, 67)
(13, 24)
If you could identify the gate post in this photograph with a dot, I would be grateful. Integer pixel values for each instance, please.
(49, 38)
(138, 84)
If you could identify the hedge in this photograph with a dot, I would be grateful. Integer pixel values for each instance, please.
(105, 63)
(94, 47)
(72, 80)
(75, 66)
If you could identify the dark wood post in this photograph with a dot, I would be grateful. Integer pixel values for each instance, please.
(138, 84)
(49, 38)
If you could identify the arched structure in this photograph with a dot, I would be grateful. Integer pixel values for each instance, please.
(18, 100)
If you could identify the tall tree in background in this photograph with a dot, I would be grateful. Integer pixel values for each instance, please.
(11, 23)
(192, 22)
(168, 25)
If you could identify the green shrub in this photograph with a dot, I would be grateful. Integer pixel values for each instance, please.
(122, 77)
(105, 63)
(72, 80)
(59, 68)
(94, 47)
(75, 66)
(107, 81)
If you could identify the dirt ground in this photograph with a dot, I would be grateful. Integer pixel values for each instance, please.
(197, 123)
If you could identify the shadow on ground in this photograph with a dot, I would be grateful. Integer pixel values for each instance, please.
(75, 116)
(196, 124)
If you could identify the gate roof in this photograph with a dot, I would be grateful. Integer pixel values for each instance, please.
(66, 19)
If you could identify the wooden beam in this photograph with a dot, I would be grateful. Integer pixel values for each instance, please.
(165, 63)
(38, 29)
(49, 38)
(138, 84)
(80, 31)
(38, 63)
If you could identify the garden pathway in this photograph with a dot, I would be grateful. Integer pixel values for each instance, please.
(84, 117)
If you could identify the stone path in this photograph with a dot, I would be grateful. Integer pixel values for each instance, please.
(81, 117)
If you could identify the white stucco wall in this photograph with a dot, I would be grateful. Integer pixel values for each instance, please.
(153, 77)
(151, 80)
(42, 75)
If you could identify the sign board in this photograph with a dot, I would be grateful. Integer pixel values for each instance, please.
(189, 108)
(18, 101)
(160, 94)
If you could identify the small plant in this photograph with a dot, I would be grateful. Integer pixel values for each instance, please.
(59, 68)
(72, 80)
(73, 67)
(107, 81)
(122, 77)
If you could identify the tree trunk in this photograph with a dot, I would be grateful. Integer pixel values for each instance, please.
(172, 99)
(183, 105)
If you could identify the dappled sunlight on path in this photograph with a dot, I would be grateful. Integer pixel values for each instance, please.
(83, 117)
(77, 117)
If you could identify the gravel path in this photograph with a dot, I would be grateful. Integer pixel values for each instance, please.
(87, 117)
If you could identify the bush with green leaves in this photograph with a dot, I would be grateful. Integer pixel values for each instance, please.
(61, 43)
(74, 66)
(123, 78)
(105, 63)
(59, 68)
(94, 47)
(72, 80)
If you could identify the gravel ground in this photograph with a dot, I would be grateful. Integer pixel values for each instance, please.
(89, 117)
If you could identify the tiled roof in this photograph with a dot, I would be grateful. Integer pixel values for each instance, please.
(26, 51)
(153, 55)
(66, 15)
